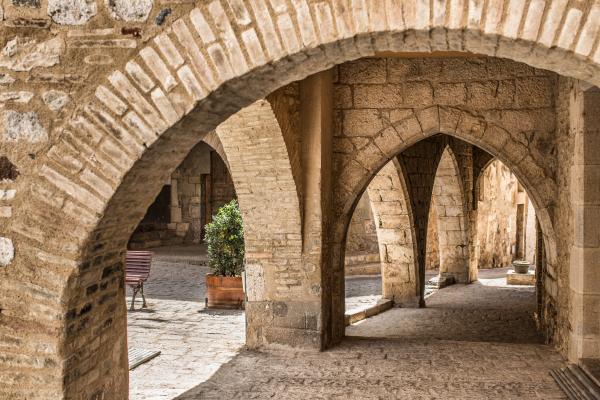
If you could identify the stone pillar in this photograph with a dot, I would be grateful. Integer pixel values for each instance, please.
(419, 163)
(584, 279)
(175, 209)
(395, 233)
(451, 192)
(316, 160)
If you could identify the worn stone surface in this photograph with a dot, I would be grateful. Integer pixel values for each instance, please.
(461, 347)
(8, 171)
(415, 369)
(55, 99)
(194, 342)
(24, 54)
(486, 311)
(7, 251)
(23, 126)
(81, 195)
(130, 10)
(17, 97)
(6, 79)
(26, 3)
(72, 12)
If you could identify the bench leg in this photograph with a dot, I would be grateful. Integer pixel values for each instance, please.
(135, 290)
(143, 297)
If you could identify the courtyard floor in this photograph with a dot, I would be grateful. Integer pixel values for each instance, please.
(471, 342)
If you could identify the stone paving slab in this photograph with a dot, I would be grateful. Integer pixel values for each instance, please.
(194, 342)
(389, 369)
(203, 358)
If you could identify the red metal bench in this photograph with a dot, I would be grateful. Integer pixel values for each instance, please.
(137, 270)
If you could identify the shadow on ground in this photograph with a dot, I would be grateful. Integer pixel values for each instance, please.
(473, 313)
(388, 369)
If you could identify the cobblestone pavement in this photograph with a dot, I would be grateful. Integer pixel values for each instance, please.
(362, 291)
(408, 369)
(487, 310)
(194, 342)
(463, 346)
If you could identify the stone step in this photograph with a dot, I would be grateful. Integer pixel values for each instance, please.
(355, 315)
(576, 383)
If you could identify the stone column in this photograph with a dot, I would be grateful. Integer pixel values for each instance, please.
(395, 233)
(316, 160)
(175, 209)
(584, 279)
(419, 163)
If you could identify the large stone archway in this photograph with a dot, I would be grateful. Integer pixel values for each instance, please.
(78, 202)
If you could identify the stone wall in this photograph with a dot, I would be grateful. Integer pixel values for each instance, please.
(199, 187)
(79, 178)
(362, 250)
(433, 251)
(499, 197)
(222, 190)
(385, 105)
(371, 94)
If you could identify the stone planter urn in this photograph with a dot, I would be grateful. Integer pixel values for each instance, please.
(224, 292)
(520, 266)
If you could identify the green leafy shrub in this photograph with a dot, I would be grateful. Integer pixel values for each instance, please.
(225, 240)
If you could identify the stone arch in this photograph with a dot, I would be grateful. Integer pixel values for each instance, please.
(473, 129)
(453, 236)
(261, 173)
(395, 235)
(213, 140)
(417, 127)
(110, 151)
(480, 165)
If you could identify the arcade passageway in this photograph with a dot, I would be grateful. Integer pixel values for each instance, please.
(126, 124)
(473, 342)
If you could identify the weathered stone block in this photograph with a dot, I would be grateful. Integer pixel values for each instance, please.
(361, 122)
(7, 194)
(26, 3)
(367, 70)
(513, 278)
(418, 93)
(23, 126)
(72, 12)
(254, 282)
(7, 251)
(20, 54)
(377, 96)
(55, 99)
(450, 94)
(130, 10)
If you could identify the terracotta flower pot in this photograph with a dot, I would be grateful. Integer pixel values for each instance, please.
(224, 292)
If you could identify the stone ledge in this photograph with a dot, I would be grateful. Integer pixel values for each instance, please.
(513, 278)
(359, 314)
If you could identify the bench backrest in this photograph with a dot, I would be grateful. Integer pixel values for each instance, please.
(137, 264)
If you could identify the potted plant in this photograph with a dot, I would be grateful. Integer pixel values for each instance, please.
(225, 240)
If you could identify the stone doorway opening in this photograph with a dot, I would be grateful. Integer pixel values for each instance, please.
(193, 341)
